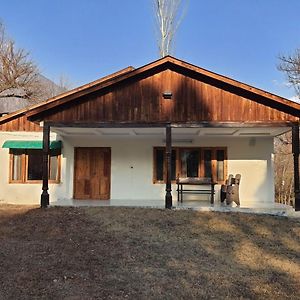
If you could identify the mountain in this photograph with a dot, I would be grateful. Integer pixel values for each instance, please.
(15, 98)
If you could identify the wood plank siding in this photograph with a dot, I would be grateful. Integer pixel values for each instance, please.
(195, 98)
(19, 123)
(136, 96)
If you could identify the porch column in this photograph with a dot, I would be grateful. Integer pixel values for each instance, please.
(46, 142)
(295, 150)
(168, 198)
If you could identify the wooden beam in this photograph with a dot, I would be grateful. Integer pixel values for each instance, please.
(168, 197)
(295, 150)
(107, 125)
(172, 125)
(46, 143)
(231, 124)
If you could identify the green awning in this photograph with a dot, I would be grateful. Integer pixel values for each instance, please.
(30, 144)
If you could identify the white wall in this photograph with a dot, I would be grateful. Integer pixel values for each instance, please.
(253, 159)
(132, 168)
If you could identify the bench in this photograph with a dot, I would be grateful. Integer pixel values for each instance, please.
(183, 182)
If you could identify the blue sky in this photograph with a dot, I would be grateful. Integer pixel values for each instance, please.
(86, 40)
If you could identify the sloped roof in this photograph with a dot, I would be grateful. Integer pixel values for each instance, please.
(84, 87)
(130, 72)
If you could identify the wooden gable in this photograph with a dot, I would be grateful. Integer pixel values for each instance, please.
(19, 122)
(136, 95)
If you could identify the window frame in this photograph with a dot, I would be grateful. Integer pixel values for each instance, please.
(24, 167)
(155, 180)
(179, 150)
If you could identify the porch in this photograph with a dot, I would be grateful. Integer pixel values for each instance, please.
(133, 172)
(276, 209)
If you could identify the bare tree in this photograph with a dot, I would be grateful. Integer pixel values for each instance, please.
(169, 14)
(284, 180)
(17, 70)
(283, 169)
(290, 65)
(64, 83)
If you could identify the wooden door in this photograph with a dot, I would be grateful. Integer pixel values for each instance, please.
(92, 173)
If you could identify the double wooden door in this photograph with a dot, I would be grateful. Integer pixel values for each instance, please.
(92, 173)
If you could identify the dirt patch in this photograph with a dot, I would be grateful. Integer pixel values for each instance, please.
(130, 253)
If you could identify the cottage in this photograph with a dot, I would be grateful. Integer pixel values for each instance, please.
(128, 136)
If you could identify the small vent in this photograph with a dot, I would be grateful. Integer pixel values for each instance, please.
(167, 95)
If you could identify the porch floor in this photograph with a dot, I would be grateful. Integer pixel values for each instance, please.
(274, 209)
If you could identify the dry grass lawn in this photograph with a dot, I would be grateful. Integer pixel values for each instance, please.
(118, 253)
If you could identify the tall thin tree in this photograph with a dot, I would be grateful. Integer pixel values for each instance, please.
(169, 14)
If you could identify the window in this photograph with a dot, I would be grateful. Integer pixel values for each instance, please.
(220, 165)
(189, 159)
(207, 159)
(191, 162)
(34, 165)
(160, 168)
(26, 165)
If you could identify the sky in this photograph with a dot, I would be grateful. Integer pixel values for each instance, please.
(84, 40)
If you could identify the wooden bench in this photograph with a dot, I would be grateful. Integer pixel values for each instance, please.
(182, 182)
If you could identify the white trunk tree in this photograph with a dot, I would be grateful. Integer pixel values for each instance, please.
(169, 14)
